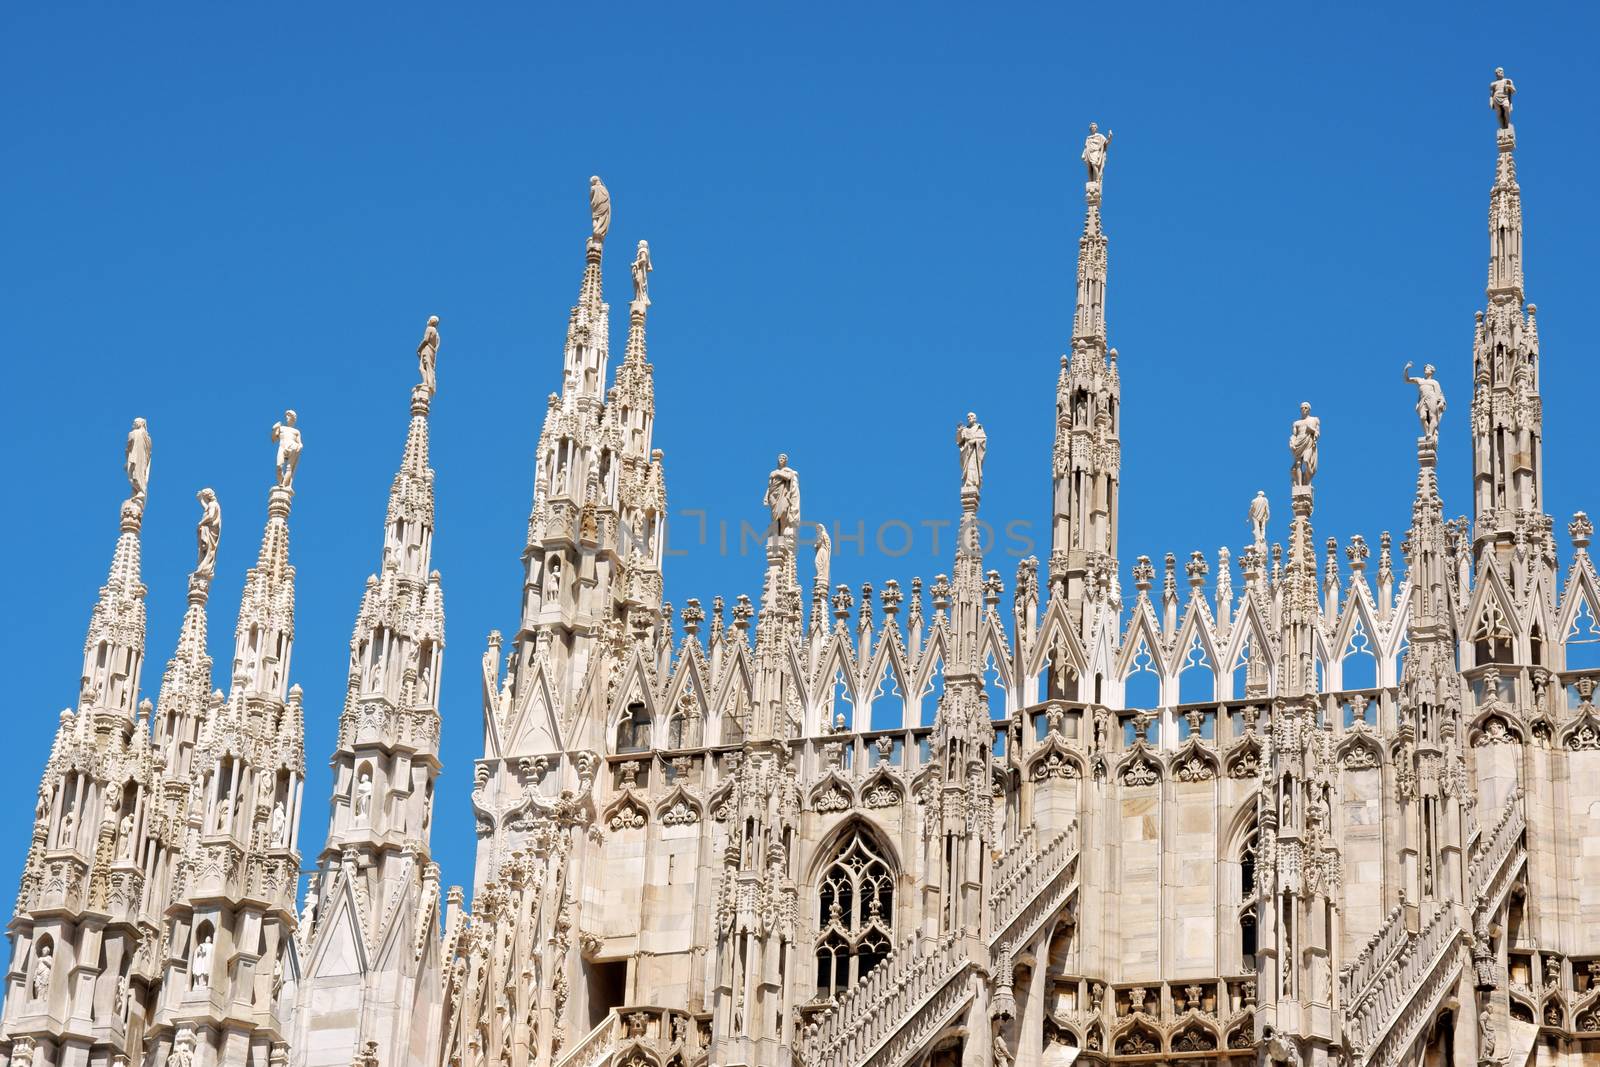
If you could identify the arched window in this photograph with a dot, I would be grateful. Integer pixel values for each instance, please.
(633, 731)
(855, 912)
(1249, 894)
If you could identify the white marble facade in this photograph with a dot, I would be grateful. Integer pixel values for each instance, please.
(1304, 802)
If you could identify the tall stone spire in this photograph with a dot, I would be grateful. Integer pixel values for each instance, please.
(224, 997)
(1507, 419)
(1087, 458)
(84, 931)
(372, 960)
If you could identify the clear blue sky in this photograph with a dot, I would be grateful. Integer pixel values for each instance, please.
(864, 223)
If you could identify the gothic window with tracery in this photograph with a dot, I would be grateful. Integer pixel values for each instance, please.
(855, 904)
(1249, 894)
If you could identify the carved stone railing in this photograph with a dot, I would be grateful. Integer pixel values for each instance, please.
(1011, 863)
(1384, 1023)
(1382, 947)
(1039, 875)
(663, 1032)
(1500, 844)
(901, 1002)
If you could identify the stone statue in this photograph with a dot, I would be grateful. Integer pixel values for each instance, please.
(68, 824)
(208, 533)
(119, 997)
(308, 910)
(1094, 151)
(1500, 93)
(1486, 1040)
(824, 556)
(1281, 1048)
(1430, 400)
(552, 580)
(1303, 446)
(641, 275)
(428, 354)
(599, 207)
(42, 969)
(125, 836)
(973, 443)
(279, 826)
(224, 814)
(288, 438)
(182, 1049)
(1002, 1052)
(138, 460)
(364, 797)
(1260, 512)
(201, 967)
(783, 497)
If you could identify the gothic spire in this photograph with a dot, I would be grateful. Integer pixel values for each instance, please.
(186, 682)
(113, 650)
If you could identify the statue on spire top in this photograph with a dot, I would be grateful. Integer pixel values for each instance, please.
(138, 461)
(599, 207)
(1303, 437)
(973, 443)
(641, 275)
(288, 438)
(208, 532)
(1094, 151)
(1500, 93)
(783, 498)
(428, 355)
(1430, 400)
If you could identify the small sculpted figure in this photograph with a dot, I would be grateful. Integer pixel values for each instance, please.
(208, 533)
(973, 443)
(1303, 446)
(599, 207)
(1430, 400)
(289, 443)
(202, 963)
(824, 556)
(783, 498)
(138, 460)
(641, 275)
(1094, 151)
(42, 969)
(428, 355)
(1260, 512)
(1500, 93)
(364, 798)
(279, 826)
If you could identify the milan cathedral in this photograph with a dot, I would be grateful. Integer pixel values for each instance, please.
(1295, 804)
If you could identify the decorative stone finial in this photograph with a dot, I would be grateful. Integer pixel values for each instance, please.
(1581, 530)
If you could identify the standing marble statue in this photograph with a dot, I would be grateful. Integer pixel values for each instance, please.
(1260, 512)
(599, 207)
(1094, 151)
(125, 836)
(783, 498)
(428, 355)
(208, 532)
(363, 812)
(1430, 400)
(1500, 93)
(1303, 438)
(1486, 1040)
(973, 444)
(289, 443)
(42, 969)
(279, 826)
(824, 556)
(201, 966)
(641, 275)
(138, 460)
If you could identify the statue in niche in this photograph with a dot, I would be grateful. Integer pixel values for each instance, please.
(279, 825)
(552, 580)
(973, 444)
(428, 355)
(783, 498)
(289, 444)
(201, 965)
(1094, 152)
(138, 461)
(208, 533)
(363, 812)
(68, 825)
(1486, 1036)
(224, 814)
(1303, 437)
(824, 555)
(42, 969)
(1500, 93)
(599, 207)
(642, 266)
(1430, 400)
(125, 836)
(1260, 512)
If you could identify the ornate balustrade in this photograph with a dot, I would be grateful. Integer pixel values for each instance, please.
(904, 995)
(1382, 1025)
(664, 1032)
(1382, 947)
(1500, 843)
(1023, 881)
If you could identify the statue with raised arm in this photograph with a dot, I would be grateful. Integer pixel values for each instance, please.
(1430, 400)
(824, 557)
(1094, 151)
(1500, 93)
(288, 438)
(973, 444)
(641, 275)
(783, 498)
(428, 355)
(1260, 512)
(599, 207)
(208, 532)
(138, 460)
(1303, 437)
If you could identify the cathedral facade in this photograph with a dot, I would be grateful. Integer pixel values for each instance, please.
(1268, 806)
